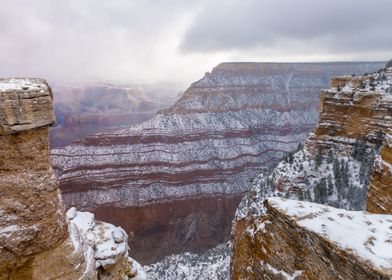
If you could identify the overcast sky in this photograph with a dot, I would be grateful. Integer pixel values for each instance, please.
(178, 40)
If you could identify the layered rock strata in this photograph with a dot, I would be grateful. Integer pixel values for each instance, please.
(303, 240)
(83, 109)
(335, 167)
(37, 241)
(235, 121)
(355, 121)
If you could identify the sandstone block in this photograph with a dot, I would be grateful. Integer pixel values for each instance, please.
(25, 104)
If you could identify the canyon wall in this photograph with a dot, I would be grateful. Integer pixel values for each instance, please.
(300, 240)
(83, 109)
(379, 199)
(198, 156)
(37, 239)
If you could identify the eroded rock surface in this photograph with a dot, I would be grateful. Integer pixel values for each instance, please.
(379, 199)
(37, 241)
(297, 240)
(303, 240)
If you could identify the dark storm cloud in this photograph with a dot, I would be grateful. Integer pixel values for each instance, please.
(327, 26)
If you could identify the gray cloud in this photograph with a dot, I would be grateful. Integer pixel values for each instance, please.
(332, 26)
(75, 39)
(178, 40)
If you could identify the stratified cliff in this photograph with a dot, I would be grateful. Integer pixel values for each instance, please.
(335, 167)
(87, 108)
(198, 156)
(37, 239)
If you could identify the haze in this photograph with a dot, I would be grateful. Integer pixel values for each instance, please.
(178, 40)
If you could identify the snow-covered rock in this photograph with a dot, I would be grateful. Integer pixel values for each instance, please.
(335, 167)
(313, 241)
(105, 245)
(38, 240)
(214, 264)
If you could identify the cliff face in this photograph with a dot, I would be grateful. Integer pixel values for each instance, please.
(335, 167)
(302, 240)
(37, 240)
(379, 199)
(336, 163)
(85, 109)
(200, 153)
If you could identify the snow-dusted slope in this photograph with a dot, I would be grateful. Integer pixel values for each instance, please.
(367, 235)
(313, 241)
(214, 264)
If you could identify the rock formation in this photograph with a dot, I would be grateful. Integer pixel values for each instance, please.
(303, 240)
(198, 156)
(380, 192)
(37, 240)
(278, 239)
(87, 108)
(337, 160)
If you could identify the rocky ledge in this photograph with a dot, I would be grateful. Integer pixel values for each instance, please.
(37, 240)
(303, 240)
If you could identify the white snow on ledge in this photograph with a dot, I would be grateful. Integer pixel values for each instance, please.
(367, 235)
(21, 84)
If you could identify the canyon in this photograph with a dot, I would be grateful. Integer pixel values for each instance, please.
(92, 107)
(174, 182)
(345, 163)
(38, 238)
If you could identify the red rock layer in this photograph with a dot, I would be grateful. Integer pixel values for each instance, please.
(165, 228)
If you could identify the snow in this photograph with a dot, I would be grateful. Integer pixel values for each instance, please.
(20, 84)
(138, 270)
(213, 264)
(367, 235)
(9, 229)
(83, 220)
(287, 276)
(103, 244)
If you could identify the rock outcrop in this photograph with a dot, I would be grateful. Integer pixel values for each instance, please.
(335, 167)
(379, 199)
(200, 153)
(337, 159)
(37, 240)
(303, 240)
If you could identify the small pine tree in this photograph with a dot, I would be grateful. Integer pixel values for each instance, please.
(301, 195)
(379, 139)
(389, 64)
(320, 191)
(360, 149)
(330, 156)
(330, 185)
(318, 159)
